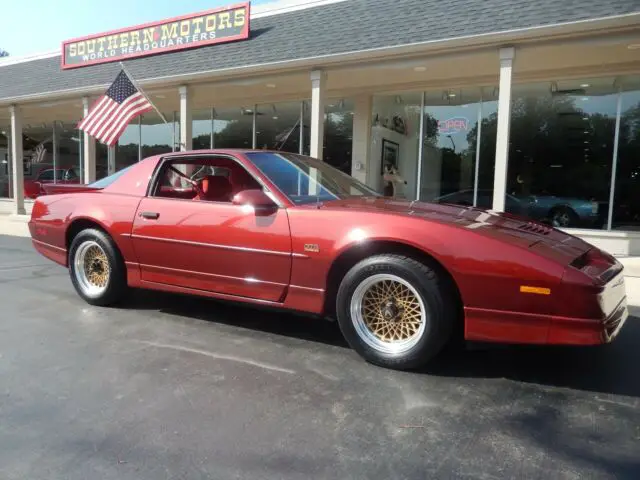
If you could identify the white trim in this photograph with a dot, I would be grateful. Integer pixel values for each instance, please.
(477, 41)
(625, 234)
(287, 6)
(28, 58)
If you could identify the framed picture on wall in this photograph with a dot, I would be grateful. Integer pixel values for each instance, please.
(390, 155)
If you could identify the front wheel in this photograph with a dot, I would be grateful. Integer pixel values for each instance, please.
(96, 268)
(395, 311)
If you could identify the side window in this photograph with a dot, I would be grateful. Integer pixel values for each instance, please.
(208, 179)
(45, 175)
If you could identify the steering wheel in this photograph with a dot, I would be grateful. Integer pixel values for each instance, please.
(193, 183)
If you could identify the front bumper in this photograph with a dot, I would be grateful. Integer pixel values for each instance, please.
(587, 331)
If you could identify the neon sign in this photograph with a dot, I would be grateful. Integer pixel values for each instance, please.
(453, 125)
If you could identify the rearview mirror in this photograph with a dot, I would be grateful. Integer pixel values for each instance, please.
(255, 198)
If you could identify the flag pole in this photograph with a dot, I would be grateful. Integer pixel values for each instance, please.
(126, 72)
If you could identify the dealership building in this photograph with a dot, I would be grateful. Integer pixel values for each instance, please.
(530, 107)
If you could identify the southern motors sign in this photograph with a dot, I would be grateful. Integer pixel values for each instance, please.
(214, 26)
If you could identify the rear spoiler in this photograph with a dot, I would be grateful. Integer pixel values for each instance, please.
(53, 188)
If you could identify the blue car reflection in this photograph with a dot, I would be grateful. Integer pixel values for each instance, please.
(560, 212)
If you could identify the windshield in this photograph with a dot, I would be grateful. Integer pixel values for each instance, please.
(307, 180)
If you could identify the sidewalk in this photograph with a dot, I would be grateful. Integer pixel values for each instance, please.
(17, 225)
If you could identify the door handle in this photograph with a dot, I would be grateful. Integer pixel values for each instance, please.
(150, 215)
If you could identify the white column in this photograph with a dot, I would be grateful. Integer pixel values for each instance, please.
(504, 121)
(254, 128)
(89, 147)
(111, 160)
(361, 143)
(54, 145)
(16, 159)
(186, 119)
(318, 86)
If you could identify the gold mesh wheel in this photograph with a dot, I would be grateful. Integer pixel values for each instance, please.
(92, 268)
(388, 313)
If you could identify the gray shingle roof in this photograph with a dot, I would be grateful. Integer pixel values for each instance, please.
(324, 30)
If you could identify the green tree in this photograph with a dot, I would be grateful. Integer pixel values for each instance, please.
(3, 53)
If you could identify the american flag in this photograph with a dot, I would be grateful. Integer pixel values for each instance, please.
(113, 111)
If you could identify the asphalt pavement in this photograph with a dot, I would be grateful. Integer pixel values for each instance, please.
(176, 387)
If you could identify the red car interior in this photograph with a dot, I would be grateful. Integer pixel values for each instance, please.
(213, 188)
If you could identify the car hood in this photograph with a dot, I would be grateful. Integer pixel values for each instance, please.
(501, 226)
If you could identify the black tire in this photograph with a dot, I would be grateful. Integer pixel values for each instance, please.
(440, 305)
(116, 285)
(563, 217)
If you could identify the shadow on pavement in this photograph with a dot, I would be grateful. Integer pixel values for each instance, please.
(610, 369)
(261, 319)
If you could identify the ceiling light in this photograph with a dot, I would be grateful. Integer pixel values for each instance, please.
(584, 85)
(271, 85)
(634, 46)
(584, 99)
(275, 117)
(420, 69)
(452, 95)
(160, 96)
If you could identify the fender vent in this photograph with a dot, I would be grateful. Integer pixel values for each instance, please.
(535, 228)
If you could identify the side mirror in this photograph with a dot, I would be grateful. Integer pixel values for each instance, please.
(255, 198)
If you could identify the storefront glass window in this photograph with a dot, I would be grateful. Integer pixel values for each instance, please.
(338, 134)
(561, 151)
(626, 211)
(449, 147)
(278, 127)
(157, 136)
(395, 133)
(201, 129)
(6, 188)
(233, 127)
(51, 154)
(127, 147)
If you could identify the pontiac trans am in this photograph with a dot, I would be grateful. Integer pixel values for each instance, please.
(402, 278)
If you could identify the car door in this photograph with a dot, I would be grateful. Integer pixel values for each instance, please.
(213, 246)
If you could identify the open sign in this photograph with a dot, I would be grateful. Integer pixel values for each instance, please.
(453, 125)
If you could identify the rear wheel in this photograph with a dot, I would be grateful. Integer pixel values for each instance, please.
(395, 311)
(96, 267)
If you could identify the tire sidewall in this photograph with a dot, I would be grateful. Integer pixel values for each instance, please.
(436, 329)
(116, 277)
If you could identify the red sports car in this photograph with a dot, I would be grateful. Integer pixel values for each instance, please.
(402, 278)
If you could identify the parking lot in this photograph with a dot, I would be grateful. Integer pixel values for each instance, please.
(169, 386)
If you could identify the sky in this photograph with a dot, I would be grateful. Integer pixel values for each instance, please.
(38, 26)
